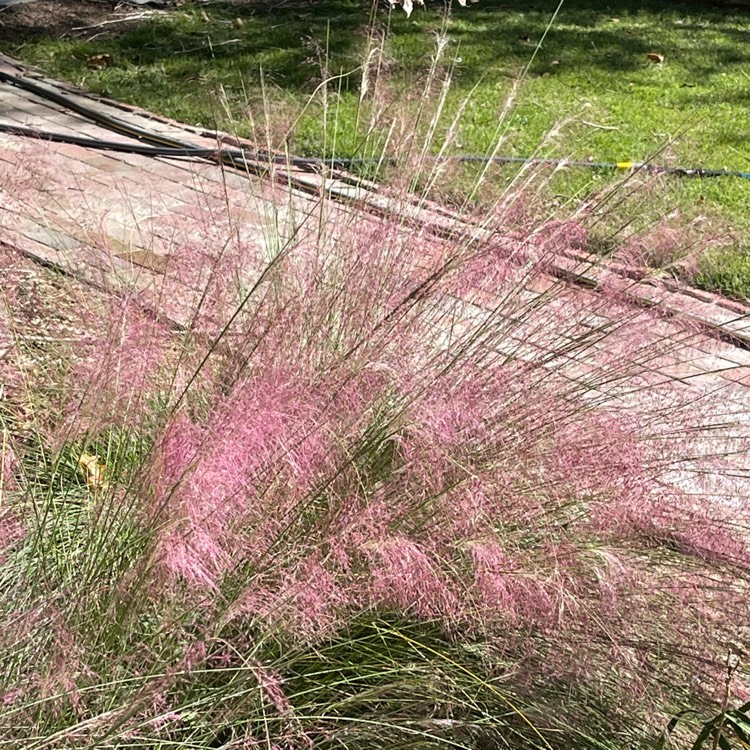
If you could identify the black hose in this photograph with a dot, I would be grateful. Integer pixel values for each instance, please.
(164, 146)
(111, 123)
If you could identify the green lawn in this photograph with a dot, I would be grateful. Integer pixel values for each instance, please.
(250, 68)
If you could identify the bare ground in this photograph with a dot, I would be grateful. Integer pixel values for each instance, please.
(56, 18)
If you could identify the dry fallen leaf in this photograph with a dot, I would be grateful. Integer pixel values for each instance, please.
(99, 62)
(93, 470)
(655, 57)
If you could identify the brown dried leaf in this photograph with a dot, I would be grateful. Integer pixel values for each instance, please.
(99, 62)
(93, 469)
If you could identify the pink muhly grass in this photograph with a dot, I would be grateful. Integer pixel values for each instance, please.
(391, 425)
(390, 428)
(204, 275)
(310, 599)
(404, 577)
(22, 174)
(511, 591)
(261, 448)
(272, 687)
(116, 370)
(705, 534)
(674, 241)
(10, 696)
(9, 466)
(66, 667)
(11, 531)
(11, 370)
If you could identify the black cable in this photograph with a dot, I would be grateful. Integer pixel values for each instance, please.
(164, 146)
(111, 123)
(129, 148)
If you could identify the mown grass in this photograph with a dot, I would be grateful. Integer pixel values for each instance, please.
(246, 66)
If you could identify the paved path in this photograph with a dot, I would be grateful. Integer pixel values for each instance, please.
(125, 221)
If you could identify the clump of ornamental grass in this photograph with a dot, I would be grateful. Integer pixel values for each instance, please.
(383, 514)
(369, 488)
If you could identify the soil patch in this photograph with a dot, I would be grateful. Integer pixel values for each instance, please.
(52, 18)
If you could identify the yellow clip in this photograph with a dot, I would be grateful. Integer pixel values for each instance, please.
(624, 164)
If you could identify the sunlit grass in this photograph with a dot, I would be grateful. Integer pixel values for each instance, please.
(245, 67)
